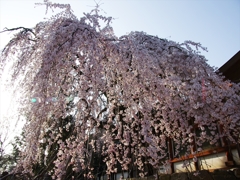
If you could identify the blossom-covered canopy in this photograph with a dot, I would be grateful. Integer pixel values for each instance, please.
(124, 97)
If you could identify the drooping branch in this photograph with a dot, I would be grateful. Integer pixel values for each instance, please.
(14, 29)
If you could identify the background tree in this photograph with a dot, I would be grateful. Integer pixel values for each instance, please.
(8, 160)
(124, 96)
(5, 157)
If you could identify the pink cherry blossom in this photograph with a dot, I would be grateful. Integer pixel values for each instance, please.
(126, 95)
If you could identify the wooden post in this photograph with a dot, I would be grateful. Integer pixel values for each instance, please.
(170, 152)
(194, 149)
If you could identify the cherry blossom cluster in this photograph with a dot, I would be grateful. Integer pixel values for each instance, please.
(130, 95)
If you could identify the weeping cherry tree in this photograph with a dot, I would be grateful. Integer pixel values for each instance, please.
(87, 93)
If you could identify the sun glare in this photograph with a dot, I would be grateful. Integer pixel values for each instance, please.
(10, 126)
(4, 103)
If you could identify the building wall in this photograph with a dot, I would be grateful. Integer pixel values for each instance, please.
(180, 166)
(214, 161)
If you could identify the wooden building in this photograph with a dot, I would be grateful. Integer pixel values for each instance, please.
(231, 69)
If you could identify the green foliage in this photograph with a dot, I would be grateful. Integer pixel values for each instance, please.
(9, 161)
